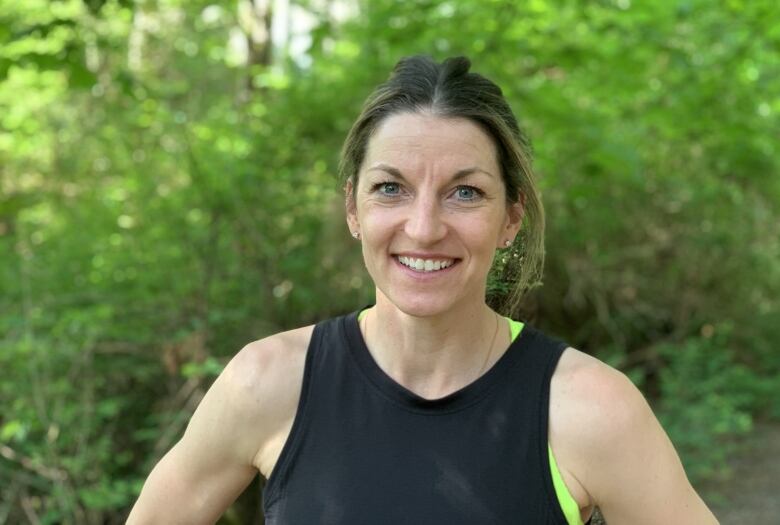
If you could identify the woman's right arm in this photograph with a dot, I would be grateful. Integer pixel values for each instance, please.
(217, 457)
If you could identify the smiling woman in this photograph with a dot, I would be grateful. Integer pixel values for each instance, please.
(429, 406)
(421, 88)
(430, 191)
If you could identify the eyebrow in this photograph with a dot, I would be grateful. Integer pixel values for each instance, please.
(460, 174)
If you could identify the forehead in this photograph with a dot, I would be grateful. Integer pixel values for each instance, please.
(414, 140)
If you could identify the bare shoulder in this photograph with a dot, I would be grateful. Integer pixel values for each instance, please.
(239, 415)
(582, 390)
(254, 396)
(261, 361)
(595, 410)
(613, 450)
(266, 375)
(585, 390)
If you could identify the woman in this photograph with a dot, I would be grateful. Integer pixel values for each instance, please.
(428, 407)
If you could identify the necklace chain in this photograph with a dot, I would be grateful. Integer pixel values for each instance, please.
(490, 348)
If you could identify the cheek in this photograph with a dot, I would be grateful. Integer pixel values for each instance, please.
(378, 221)
(485, 231)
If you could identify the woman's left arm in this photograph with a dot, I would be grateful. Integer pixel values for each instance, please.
(623, 459)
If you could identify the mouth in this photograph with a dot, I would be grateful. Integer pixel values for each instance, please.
(425, 265)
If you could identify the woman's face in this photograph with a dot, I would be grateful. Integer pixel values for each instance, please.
(431, 209)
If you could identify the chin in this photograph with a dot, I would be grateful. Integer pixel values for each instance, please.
(424, 300)
(420, 305)
(421, 310)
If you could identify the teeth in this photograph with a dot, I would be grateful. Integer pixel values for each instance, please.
(425, 265)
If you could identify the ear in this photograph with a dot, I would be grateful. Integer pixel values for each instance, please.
(515, 212)
(351, 207)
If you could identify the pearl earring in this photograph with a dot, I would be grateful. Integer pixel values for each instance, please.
(356, 235)
(507, 243)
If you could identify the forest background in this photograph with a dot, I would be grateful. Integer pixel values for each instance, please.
(169, 193)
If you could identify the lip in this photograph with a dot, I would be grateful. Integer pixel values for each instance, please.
(425, 276)
(420, 255)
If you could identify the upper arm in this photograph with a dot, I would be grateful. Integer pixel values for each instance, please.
(621, 455)
(214, 461)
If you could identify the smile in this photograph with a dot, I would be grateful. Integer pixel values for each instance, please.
(425, 265)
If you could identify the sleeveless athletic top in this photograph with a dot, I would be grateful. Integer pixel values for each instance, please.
(364, 449)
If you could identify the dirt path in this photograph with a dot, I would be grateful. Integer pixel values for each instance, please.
(751, 496)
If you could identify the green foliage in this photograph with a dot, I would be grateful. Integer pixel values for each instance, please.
(168, 193)
(708, 398)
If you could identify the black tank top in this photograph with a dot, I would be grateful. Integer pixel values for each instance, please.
(363, 450)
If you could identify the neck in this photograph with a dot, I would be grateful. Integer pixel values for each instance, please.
(436, 355)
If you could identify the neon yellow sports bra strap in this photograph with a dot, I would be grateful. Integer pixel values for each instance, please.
(569, 507)
(515, 327)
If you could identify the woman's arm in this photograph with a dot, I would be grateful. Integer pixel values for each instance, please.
(216, 459)
(615, 447)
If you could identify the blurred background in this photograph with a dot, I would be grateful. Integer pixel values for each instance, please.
(168, 194)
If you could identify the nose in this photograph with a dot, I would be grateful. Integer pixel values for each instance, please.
(424, 223)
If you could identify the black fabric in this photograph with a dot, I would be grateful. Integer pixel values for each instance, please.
(365, 450)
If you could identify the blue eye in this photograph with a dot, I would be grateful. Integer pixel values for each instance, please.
(467, 193)
(389, 188)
